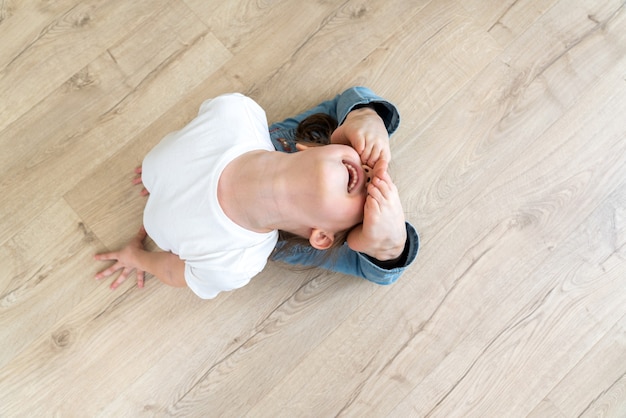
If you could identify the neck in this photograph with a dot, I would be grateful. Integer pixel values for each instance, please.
(258, 191)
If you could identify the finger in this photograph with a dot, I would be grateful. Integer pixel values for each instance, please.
(380, 169)
(109, 271)
(137, 180)
(385, 177)
(106, 256)
(382, 186)
(339, 137)
(383, 149)
(372, 214)
(358, 142)
(374, 191)
(142, 233)
(140, 279)
(386, 154)
(372, 205)
(144, 192)
(121, 278)
(138, 170)
(366, 152)
(374, 156)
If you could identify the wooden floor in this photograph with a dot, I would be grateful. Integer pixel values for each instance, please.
(510, 160)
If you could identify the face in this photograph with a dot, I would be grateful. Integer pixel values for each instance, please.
(336, 185)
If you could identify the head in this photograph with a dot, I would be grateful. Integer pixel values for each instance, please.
(332, 181)
(333, 187)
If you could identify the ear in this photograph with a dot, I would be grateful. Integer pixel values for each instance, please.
(320, 239)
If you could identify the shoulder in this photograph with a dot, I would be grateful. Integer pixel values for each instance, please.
(236, 101)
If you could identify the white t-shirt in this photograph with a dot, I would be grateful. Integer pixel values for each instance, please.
(183, 214)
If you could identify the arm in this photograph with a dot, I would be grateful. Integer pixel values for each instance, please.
(353, 99)
(354, 263)
(167, 267)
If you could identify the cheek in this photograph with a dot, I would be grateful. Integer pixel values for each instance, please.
(358, 211)
(351, 213)
(333, 202)
(339, 214)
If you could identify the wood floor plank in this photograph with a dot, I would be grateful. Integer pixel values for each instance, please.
(75, 156)
(99, 368)
(38, 284)
(514, 100)
(526, 251)
(217, 393)
(158, 41)
(575, 121)
(73, 40)
(23, 23)
(570, 310)
(106, 199)
(417, 341)
(609, 403)
(510, 161)
(238, 23)
(507, 20)
(595, 386)
(446, 49)
(312, 28)
(546, 409)
(54, 122)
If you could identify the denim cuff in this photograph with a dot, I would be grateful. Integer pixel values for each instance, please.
(386, 276)
(351, 262)
(359, 96)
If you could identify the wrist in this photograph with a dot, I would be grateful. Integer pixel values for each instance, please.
(360, 110)
(389, 254)
(395, 262)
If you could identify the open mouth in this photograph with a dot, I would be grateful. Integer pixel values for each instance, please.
(353, 176)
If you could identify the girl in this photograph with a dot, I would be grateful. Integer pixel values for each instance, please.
(219, 193)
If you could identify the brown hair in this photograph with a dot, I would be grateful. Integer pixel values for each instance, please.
(314, 129)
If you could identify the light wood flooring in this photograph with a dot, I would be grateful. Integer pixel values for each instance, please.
(510, 160)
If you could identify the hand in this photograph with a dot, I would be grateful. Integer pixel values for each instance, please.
(125, 261)
(365, 131)
(382, 234)
(138, 180)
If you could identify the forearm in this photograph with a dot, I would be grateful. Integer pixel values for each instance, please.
(283, 133)
(350, 262)
(383, 249)
(167, 267)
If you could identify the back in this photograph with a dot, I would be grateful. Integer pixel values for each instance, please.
(183, 214)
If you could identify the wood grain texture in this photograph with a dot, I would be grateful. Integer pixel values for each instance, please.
(510, 161)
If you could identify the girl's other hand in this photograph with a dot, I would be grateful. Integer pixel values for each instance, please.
(382, 234)
(365, 131)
